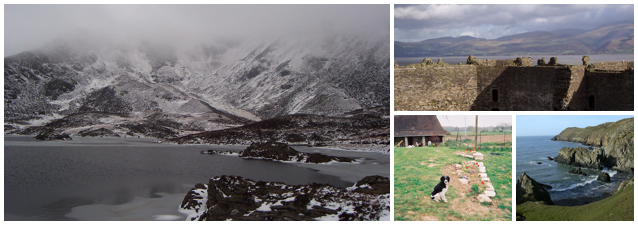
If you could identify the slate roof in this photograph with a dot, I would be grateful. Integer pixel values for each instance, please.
(421, 125)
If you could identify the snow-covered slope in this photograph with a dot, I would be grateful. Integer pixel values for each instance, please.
(226, 82)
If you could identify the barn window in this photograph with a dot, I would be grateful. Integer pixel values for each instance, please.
(495, 95)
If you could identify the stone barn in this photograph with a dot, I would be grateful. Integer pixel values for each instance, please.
(418, 130)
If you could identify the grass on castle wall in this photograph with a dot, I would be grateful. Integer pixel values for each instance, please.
(418, 170)
(616, 207)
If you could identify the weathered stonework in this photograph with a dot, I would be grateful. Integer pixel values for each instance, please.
(514, 85)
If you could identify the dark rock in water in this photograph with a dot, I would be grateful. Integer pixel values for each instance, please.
(283, 152)
(237, 198)
(539, 163)
(578, 171)
(50, 136)
(604, 177)
(550, 158)
(527, 190)
(373, 185)
(218, 152)
(581, 157)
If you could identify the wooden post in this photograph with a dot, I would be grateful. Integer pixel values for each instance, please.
(476, 132)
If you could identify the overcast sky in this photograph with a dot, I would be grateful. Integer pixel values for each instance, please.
(27, 27)
(484, 121)
(553, 125)
(421, 22)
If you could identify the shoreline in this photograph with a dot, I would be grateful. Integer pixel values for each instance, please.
(581, 199)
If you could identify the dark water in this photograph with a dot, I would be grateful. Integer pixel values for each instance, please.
(562, 59)
(568, 189)
(45, 180)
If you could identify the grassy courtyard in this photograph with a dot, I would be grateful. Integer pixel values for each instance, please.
(417, 171)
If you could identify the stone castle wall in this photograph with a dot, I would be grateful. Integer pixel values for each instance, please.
(612, 65)
(513, 85)
(607, 90)
(433, 88)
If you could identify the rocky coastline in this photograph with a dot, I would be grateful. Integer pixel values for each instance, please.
(614, 142)
(238, 198)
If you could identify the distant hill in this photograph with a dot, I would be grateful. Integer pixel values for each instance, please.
(612, 38)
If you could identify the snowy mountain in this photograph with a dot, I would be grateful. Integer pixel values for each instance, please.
(90, 83)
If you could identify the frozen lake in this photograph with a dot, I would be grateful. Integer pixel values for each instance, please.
(138, 179)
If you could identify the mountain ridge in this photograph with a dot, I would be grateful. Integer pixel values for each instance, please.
(612, 38)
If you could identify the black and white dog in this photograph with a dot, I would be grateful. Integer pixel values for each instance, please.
(440, 189)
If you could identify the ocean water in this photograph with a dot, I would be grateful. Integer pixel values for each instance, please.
(562, 59)
(137, 179)
(568, 189)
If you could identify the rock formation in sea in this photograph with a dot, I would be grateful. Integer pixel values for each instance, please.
(577, 171)
(581, 157)
(604, 177)
(529, 190)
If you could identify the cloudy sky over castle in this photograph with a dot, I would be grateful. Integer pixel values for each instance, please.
(421, 22)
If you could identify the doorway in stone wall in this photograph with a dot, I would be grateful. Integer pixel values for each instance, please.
(592, 102)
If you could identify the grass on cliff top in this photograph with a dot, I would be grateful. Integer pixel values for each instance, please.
(616, 207)
(418, 170)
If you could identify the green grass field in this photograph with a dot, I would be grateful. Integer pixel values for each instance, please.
(417, 171)
(616, 207)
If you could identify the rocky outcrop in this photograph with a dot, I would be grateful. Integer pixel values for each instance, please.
(51, 136)
(282, 152)
(580, 157)
(625, 184)
(578, 171)
(237, 198)
(528, 190)
(604, 177)
(372, 185)
(615, 138)
(100, 132)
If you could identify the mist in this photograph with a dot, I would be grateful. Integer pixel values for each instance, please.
(29, 27)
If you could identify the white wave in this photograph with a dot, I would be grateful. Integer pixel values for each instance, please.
(587, 180)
